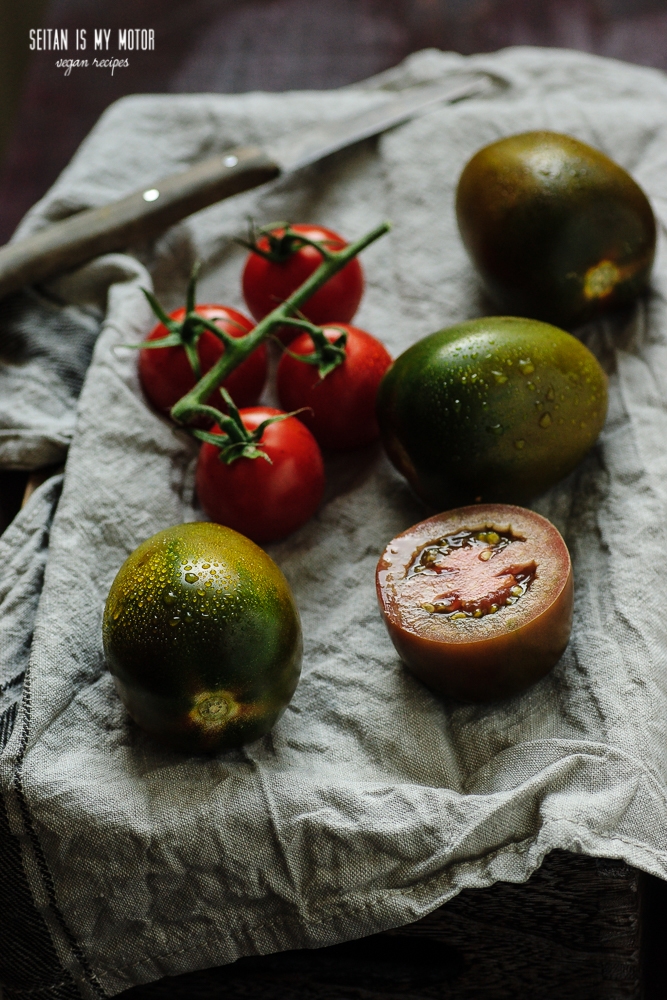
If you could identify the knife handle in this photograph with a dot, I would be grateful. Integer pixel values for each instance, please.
(77, 239)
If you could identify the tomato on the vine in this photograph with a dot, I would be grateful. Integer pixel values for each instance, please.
(264, 500)
(269, 280)
(166, 373)
(340, 407)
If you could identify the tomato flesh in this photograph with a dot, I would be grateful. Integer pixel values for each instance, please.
(470, 574)
(166, 375)
(478, 600)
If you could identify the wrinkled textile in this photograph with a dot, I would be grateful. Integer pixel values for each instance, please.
(372, 802)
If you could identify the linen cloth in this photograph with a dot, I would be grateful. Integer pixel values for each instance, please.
(372, 802)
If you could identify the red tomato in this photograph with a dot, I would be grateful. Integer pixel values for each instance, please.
(166, 375)
(341, 406)
(478, 600)
(264, 501)
(268, 283)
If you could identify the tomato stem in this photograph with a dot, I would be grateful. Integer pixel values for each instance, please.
(327, 354)
(191, 293)
(191, 405)
(166, 321)
(206, 324)
(281, 244)
(237, 441)
(185, 333)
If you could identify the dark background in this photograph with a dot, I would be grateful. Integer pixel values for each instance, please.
(238, 45)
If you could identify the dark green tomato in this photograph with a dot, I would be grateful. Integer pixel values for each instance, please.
(556, 229)
(495, 410)
(203, 638)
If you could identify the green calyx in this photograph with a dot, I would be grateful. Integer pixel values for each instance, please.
(237, 441)
(327, 354)
(282, 244)
(186, 332)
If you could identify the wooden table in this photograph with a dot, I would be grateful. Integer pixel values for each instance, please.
(277, 45)
(572, 932)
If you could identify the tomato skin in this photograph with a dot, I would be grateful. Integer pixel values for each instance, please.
(341, 406)
(499, 654)
(265, 501)
(495, 409)
(203, 638)
(165, 373)
(555, 228)
(268, 283)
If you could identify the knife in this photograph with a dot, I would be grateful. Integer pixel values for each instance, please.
(145, 213)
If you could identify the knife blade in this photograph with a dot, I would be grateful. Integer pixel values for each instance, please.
(145, 213)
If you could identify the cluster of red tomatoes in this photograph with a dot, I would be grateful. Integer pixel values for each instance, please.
(326, 382)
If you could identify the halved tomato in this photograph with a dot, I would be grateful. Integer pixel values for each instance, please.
(478, 600)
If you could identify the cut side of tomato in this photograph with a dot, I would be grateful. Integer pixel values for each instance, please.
(478, 600)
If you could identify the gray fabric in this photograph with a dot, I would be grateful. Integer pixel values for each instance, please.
(23, 551)
(45, 349)
(372, 802)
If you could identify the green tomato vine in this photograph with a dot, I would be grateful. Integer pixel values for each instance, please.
(235, 441)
